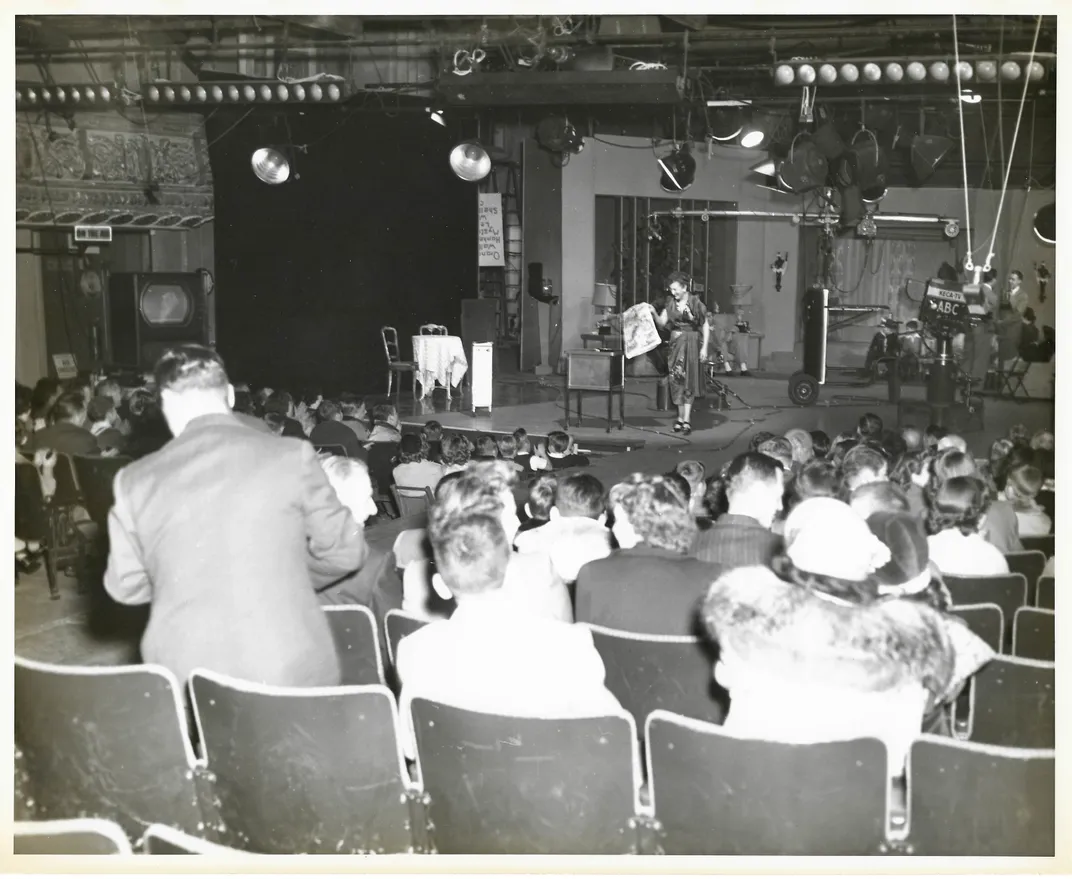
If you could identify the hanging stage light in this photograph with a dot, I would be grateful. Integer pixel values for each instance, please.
(726, 124)
(927, 152)
(752, 137)
(1045, 225)
(767, 167)
(270, 166)
(679, 170)
(805, 168)
(865, 164)
(470, 161)
(436, 116)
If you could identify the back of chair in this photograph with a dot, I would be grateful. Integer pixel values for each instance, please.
(985, 620)
(390, 344)
(1042, 543)
(1033, 634)
(1045, 593)
(31, 514)
(330, 449)
(715, 794)
(357, 644)
(303, 771)
(1030, 563)
(398, 624)
(105, 742)
(412, 499)
(980, 800)
(648, 672)
(433, 330)
(1013, 703)
(74, 836)
(380, 461)
(1007, 591)
(96, 478)
(68, 492)
(160, 839)
(514, 785)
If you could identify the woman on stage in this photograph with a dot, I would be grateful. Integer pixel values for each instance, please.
(685, 316)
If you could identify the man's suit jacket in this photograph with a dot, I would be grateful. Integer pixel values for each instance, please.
(66, 439)
(735, 541)
(335, 433)
(216, 531)
(646, 590)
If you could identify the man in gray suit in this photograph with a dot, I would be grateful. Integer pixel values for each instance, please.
(217, 531)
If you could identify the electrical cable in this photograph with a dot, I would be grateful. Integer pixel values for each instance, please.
(963, 146)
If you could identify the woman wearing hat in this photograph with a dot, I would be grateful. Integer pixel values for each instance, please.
(685, 316)
(822, 651)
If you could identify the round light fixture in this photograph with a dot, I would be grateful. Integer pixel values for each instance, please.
(752, 138)
(270, 166)
(470, 161)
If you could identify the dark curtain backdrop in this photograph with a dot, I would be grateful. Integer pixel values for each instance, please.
(373, 228)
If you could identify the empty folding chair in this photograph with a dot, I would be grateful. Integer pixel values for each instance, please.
(985, 620)
(1012, 703)
(73, 836)
(1030, 563)
(1044, 594)
(1033, 635)
(648, 672)
(303, 770)
(716, 794)
(398, 624)
(159, 839)
(979, 800)
(357, 644)
(1007, 591)
(106, 743)
(515, 785)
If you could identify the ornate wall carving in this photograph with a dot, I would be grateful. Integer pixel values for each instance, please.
(112, 171)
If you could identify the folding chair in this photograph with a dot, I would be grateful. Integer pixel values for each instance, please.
(399, 624)
(395, 363)
(1033, 634)
(73, 836)
(105, 743)
(717, 794)
(1044, 593)
(313, 770)
(647, 672)
(412, 499)
(1043, 543)
(433, 330)
(967, 799)
(985, 620)
(96, 478)
(516, 785)
(1031, 563)
(1007, 591)
(159, 839)
(1012, 704)
(1012, 379)
(357, 644)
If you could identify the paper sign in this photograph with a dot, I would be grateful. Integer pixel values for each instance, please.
(490, 229)
(66, 366)
(639, 332)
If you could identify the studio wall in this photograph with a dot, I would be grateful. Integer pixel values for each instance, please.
(372, 229)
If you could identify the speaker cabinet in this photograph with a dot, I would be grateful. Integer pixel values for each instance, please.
(595, 371)
(149, 312)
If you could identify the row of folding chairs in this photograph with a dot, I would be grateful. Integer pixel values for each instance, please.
(98, 836)
(321, 771)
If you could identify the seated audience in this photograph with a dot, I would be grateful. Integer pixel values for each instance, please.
(485, 448)
(860, 466)
(754, 486)
(330, 430)
(275, 423)
(817, 478)
(931, 437)
(562, 451)
(695, 474)
(66, 432)
(541, 499)
(840, 449)
(893, 445)
(878, 497)
(354, 415)
(101, 419)
(1020, 435)
(432, 434)
(413, 466)
(111, 389)
(780, 450)
(1044, 440)
(45, 393)
(909, 573)
(820, 443)
(912, 475)
(813, 654)
(507, 448)
(801, 445)
(1022, 487)
(524, 457)
(576, 531)
(758, 439)
(955, 521)
(650, 584)
(282, 403)
(456, 450)
(913, 439)
(492, 655)
(149, 430)
(385, 424)
(1000, 527)
(869, 428)
(953, 441)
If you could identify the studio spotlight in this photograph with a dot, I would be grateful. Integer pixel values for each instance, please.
(952, 229)
(679, 170)
(768, 167)
(864, 165)
(437, 116)
(752, 137)
(270, 166)
(927, 152)
(470, 161)
(804, 169)
(726, 124)
(1045, 225)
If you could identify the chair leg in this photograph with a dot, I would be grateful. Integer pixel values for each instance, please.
(50, 574)
(390, 378)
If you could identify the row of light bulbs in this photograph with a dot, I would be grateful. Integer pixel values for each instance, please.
(894, 72)
(296, 91)
(29, 96)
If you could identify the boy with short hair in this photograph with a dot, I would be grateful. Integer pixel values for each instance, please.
(562, 451)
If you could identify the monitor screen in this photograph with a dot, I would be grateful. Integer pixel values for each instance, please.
(165, 305)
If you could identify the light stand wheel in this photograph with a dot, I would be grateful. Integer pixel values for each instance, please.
(803, 389)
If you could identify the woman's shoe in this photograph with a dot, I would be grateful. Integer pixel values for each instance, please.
(679, 426)
(686, 428)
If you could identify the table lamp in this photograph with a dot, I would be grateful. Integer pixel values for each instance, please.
(604, 299)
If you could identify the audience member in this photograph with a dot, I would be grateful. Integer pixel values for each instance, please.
(101, 419)
(1043, 440)
(953, 441)
(414, 468)
(562, 451)
(912, 474)
(1022, 487)
(541, 498)
(869, 427)
(649, 585)
(839, 450)
(228, 579)
(801, 445)
(1000, 526)
(909, 573)
(754, 486)
(455, 452)
(485, 448)
(817, 478)
(931, 437)
(878, 497)
(576, 531)
(758, 438)
(955, 521)
(66, 432)
(1020, 435)
(695, 474)
(492, 655)
(46, 392)
(862, 464)
(385, 424)
(780, 450)
(275, 422)
(331, 431)
(282, 403)
(354, 415)
(893, 445)
(432, 434)
(820, 443)
(913, 439)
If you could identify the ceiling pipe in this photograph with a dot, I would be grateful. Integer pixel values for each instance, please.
(916, 219)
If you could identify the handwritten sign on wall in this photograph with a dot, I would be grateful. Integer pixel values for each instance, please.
(490, 229)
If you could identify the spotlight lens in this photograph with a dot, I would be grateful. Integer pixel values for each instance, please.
(1010, 70)
(266, 93)
(849, 72)
(217, 93)
(249, 93)
(315, 92)
(299, 92)
(105, 93)
(940, 71)
(828, 73)
(916, 71)
(46, 95)
(90, 94)
(281, 92)
(200, 93)
(1036, 71)
(752, 138)
(333, 93)
(987, 69)
(31, 96)
(76, 95)
(154, 93)
(964, 71)
(232, 92)
(894, 72)
(872, 72)
(806, 74)
(270, 166)
(169, 94)
(60, 95)
(783, 74)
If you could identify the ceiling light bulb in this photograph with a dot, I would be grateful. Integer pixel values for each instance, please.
(849, 72)
(916, 71)
(1010, 70)
(894, 72)
(828, 73)
(940, 71)
(783, 74)
(987, 70)
(1036, 71)
(806, 74)
(872, 72)
(964, 71)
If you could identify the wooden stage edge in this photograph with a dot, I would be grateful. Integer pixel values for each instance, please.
(596, 444)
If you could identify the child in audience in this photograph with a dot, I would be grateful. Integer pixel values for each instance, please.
(912, 474)
(576, 532)
(562, 451)
(541, 500)
(817, 478)
(1022, 486)
(820, 443)
(878, 497)
(455, 452)
(955, 522)
(486, 448)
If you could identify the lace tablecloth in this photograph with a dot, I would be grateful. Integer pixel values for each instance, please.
(439, 359)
